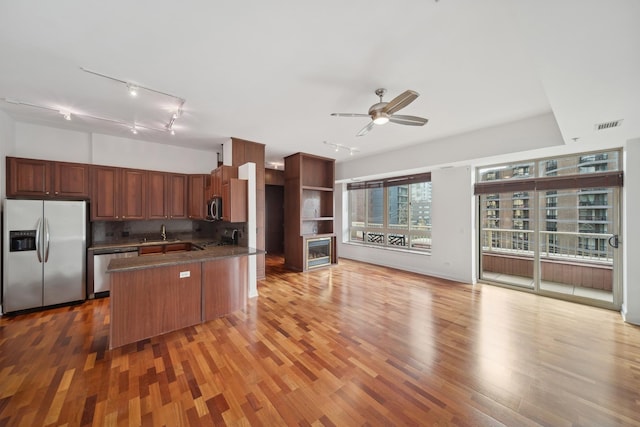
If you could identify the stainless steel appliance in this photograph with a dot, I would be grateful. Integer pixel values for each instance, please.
(214, 209)
(101, 259)
(44, 253)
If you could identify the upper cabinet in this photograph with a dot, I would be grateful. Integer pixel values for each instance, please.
(233, 191)
(177, 195)
(47, 179)
(115, 193)
(197, 197)
(118, 194)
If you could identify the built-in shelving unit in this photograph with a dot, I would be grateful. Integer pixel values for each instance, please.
(309, 209)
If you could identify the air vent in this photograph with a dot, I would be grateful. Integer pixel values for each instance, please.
(608, 125)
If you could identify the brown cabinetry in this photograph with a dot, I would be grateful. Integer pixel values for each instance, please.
(224, 287)
(309, 210)
(197, 198)
(166, 195)
(118, 194)
(46, 179)
(233, 191)
(157, 195)
(178, 188)
(164, 248)
(234, 200)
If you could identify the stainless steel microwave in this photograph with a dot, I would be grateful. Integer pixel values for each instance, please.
(214, 209)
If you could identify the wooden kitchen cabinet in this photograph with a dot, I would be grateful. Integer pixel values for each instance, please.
(178, 190)
(104, 193)
(157, 195)
(197, 198)
(234, 200)
(224, 287)
(221, 176)
(118, 194)
(166, 195)
(134, 194)
(47, 179)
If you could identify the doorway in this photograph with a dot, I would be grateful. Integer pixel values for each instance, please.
(274, 219)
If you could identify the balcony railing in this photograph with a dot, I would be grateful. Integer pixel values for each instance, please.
(586, 247)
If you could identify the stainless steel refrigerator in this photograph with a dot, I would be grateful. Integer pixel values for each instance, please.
(44, 253)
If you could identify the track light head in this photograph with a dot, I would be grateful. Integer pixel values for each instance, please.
(133, 90)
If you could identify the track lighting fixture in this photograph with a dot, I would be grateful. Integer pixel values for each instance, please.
(135, 87)
(67, 116)
(337, 147)
(133, 90)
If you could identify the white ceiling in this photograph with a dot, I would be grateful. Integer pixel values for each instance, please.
(272, 72)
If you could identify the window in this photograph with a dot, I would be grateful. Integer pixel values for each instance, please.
(394, 212)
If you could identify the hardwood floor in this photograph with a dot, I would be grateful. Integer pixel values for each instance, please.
(354, 344)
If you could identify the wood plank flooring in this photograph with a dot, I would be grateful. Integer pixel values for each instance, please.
(351, 345)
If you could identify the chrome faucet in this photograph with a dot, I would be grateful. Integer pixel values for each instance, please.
(163, 232)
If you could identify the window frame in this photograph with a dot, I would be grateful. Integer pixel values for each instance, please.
(390, 236)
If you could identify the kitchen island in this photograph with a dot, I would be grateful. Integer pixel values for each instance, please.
(155, 294)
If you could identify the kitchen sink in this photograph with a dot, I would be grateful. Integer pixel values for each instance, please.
(146, 241)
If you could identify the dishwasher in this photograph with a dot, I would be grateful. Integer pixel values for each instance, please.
(101, 259)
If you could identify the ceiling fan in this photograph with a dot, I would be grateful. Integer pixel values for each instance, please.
(383, 112)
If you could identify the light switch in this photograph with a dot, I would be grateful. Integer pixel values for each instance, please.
(184, 274)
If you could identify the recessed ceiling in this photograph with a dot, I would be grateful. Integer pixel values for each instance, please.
(273, 72)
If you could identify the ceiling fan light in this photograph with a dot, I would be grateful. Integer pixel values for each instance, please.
(381, 119)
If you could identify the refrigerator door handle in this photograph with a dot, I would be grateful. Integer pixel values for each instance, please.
(38, 240)
(47, 240)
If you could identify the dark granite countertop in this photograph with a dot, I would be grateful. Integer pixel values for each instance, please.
(176, 258)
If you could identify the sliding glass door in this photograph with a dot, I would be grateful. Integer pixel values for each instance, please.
(578, 239)
(551, 226)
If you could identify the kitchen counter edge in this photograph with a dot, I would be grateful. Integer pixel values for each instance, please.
(177, 258)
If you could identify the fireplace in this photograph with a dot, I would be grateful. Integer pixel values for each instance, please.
(318, 252)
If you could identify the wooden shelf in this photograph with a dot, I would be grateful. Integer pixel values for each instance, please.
(309, 206)
(308, 187)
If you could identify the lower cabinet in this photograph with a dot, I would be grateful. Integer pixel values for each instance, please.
(224, 286)
(153, 301)
(156, 300)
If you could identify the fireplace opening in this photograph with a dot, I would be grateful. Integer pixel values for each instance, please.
(318, 252)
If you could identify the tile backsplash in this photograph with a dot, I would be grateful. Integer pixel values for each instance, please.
(108, 231)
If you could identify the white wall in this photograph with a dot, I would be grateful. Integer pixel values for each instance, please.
(49, 143)
(7, 143)
(131, 153)
(44, 142)
(527, 134)
(452, 236)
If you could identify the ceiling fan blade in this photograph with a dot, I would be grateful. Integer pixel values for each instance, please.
(400, 101)
(365, 130)
(408, 120)
(349, 115)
